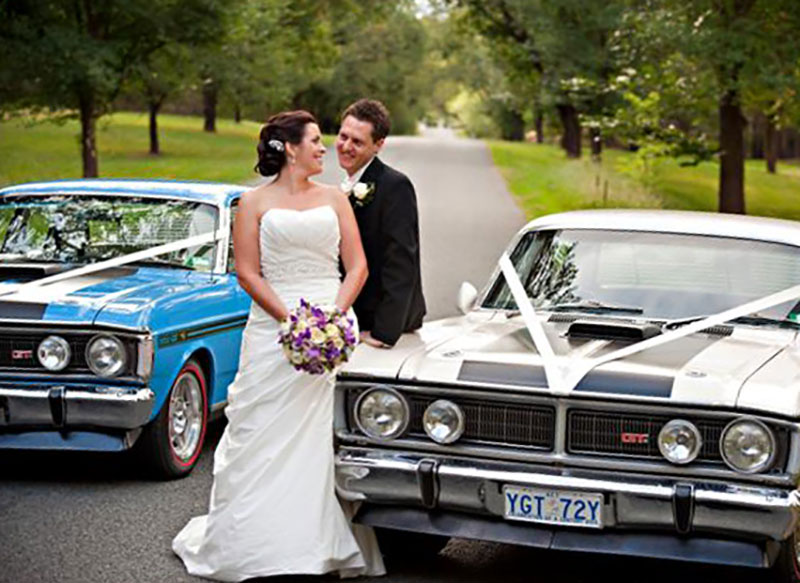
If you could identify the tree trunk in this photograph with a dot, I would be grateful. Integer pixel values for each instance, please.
(237, 113)
(771, 145)
(731, 141)
(88, 136)
(154, 147)
(513, 126)
(538, 124)
(210, 105)
(571, 135)
(597, 143)
(757, 130)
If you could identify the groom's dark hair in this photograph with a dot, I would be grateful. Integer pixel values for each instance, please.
(374, 112)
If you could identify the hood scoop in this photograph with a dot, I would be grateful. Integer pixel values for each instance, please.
(612, 330)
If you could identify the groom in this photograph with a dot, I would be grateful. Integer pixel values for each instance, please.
(385, 206)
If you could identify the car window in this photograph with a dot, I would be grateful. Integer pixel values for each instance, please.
(667, 275)
(82, 229)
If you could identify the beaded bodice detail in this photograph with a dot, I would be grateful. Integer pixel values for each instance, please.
(299, 245)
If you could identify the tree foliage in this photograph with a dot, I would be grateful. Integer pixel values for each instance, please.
(708, 62)
(71, 58)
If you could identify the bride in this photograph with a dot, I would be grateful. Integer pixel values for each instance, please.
(273, 508)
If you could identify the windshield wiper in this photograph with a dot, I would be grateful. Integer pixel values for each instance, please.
(592, 306)
(16, 258)
(157, 263)
(747, 320)
(764, 321)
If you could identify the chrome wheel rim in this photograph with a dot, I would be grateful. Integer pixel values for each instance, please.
(185, 416)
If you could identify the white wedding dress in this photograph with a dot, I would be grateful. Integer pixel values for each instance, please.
(273, 508)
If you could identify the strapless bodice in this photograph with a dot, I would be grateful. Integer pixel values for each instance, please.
(300, 245)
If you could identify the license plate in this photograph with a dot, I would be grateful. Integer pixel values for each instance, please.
(553, 506)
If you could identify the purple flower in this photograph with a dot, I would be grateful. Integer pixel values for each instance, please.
(316, 357)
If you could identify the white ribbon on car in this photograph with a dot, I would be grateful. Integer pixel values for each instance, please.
(555, 378)
(142, 255)
(559, 380)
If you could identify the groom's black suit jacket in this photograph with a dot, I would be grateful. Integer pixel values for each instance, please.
(391, 301)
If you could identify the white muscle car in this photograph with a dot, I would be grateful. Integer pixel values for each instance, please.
(628, 382)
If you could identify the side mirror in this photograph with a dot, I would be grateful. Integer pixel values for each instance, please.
(467, 294)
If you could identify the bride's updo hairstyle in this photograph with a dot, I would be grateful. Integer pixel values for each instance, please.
(287, 126)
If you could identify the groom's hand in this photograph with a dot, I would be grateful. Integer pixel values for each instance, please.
(367, 338)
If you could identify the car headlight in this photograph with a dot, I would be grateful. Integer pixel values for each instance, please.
(54, 353)
(679, 441)
(747, 445)
(381, 413)
(443, 421)
(106, 356)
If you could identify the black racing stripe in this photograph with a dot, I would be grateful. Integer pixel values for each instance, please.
(626, 384)
(195, 332)
(502, 374)
(237, 320)
(595, 382)
(21, 311)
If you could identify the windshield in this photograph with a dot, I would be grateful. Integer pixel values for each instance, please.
(652, 275)
(85, 229)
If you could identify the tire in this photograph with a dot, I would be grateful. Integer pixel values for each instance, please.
(787, 566)
(171, 443)
(400, 544)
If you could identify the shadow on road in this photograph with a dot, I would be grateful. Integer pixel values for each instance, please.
(79, 466)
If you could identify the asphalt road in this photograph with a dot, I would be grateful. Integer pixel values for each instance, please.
(87, 518)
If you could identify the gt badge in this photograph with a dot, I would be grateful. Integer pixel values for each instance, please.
(635, 437)
(21, 354)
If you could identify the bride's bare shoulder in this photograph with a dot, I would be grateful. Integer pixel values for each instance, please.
(256, 198)
(332, 195)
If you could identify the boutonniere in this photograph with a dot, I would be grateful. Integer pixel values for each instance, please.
(362, 194)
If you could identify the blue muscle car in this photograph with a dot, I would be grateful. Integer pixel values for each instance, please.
(104, 345)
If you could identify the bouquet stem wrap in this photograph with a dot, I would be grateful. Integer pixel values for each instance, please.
(315, 339)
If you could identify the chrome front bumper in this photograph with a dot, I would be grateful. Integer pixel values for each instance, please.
(632, 502)
(66, 406)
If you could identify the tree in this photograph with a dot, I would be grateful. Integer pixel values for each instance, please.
(270, 51)
(562, 44)
(731, 47)
(158, 76)
(380, 50)
(72, 58)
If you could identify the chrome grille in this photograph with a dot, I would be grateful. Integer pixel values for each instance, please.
(486, 422)
(601, 432)
(28, 343)
(495, 422)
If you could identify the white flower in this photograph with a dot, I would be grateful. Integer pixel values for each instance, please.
(360, 190)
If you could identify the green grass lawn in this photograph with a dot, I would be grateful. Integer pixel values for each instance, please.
(545, 181)
(49, 151)
(541, 177)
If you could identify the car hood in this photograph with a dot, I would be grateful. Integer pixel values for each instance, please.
(117, 296)
(746, 367)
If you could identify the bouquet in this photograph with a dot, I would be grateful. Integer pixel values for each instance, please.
(317, 340)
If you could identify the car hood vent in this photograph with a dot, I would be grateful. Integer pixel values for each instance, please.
(605, 330)
(30, 271)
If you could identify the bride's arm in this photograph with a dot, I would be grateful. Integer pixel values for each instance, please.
(247, 253)
(352, 253)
